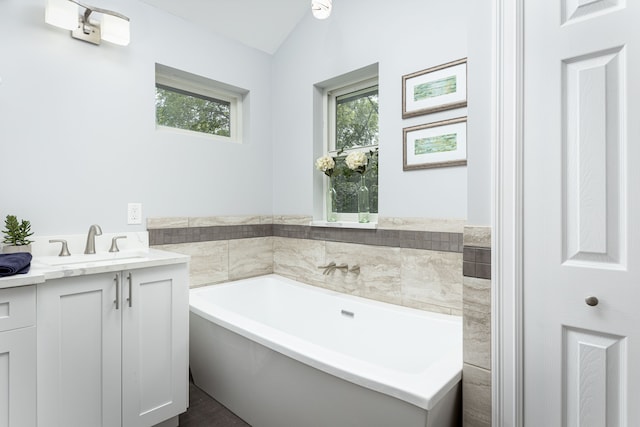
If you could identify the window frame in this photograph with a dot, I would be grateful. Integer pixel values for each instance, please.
(330, 98)
(207, 88)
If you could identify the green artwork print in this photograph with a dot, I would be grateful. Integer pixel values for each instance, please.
(435, 88)
(436, 144)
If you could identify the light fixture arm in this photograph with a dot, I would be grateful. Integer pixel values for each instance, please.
(86, 24)
(89, 9)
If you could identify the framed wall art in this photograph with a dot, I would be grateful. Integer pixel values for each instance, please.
(435, 89)
(435, 145)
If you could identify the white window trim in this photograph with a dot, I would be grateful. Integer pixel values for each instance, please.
(330, 97)
(345, 220)
(212, 90)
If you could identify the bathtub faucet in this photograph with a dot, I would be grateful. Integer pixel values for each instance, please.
(329, 268)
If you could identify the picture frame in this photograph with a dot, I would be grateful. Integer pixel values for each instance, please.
(439, 88)
(434, 145)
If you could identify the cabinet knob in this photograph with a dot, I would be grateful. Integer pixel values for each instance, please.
(591, 301)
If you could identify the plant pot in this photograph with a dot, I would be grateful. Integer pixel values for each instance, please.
(11, 249)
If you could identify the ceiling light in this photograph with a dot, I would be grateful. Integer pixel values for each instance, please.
(321, 8)
(65, 14)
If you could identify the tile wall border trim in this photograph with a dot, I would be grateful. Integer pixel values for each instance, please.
(412, 239)
(476, 262)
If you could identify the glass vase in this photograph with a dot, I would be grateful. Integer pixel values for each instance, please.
(363, 201)
(332, 204)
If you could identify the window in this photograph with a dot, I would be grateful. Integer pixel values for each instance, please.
(353, 126)
(196, 104)
(181, 109)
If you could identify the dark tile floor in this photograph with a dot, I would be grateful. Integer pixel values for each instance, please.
(205, 411)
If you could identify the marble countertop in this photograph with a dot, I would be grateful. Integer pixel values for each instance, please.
(43, 270)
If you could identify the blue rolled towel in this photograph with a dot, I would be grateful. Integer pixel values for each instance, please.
(16, 263)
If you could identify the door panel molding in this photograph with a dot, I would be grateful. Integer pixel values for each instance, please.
(578, 10)
(595, 378)
(594, 166)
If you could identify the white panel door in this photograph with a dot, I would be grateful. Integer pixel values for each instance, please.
(155, 334)
(582, 213)
(79, 351)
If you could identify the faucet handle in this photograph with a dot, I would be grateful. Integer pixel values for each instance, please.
(114, 243)
(64, 250)
(331, 264)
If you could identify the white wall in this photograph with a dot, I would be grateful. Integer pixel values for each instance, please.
(77, 130)
(479, 123)
(403, 37)
(77, 125)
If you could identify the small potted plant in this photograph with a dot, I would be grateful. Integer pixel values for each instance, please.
(16, 235)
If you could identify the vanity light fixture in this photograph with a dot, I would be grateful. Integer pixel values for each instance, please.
(321, 8)
(114, 27)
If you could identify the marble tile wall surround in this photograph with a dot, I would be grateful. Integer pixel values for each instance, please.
(476, 397)
(477, 236)
(209, 261)
(222, 248)
(221, 261)
(417, 268)
(299, 258)
(379, 277)
(422, 224)
(432, 280)
(250, 257)
(477, 322)
(174, 231)
(292, 219)
(167, 222)
(428, 280)
(186, 222)
(211, 221)
(476, 301)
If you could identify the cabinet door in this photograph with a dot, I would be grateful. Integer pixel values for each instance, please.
(79, 352)
(155, 335)
(18, 378)
(18, 357)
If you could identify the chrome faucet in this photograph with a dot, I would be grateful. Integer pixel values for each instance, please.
(94, 231)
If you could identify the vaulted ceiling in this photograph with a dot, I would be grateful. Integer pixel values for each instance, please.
(261, 24)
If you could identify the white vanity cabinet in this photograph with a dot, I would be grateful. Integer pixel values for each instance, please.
(18, 357)
(113, 348)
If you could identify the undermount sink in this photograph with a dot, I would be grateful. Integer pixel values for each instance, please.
(90, 258)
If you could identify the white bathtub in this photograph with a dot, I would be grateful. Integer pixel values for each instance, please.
(280, 353)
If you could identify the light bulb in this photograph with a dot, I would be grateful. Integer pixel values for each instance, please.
(62, 14)
(115, 29)
(321, 8)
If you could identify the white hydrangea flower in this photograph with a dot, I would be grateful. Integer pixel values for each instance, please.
(356, 160)
(325, 163)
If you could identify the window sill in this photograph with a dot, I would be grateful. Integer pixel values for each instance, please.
(345, 224)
